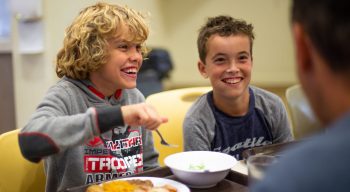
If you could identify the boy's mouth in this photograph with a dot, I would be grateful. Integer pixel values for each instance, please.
(233, 80)
(130, 70)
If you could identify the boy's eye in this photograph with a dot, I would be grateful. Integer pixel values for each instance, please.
(219, 59)
(123, 46)
(138, 48)
(243, 58)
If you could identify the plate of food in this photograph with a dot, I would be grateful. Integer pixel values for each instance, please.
(139, 184)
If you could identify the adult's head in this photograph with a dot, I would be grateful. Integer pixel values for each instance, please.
(321, 30)
(86, 42)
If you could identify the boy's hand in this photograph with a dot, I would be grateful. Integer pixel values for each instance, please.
(142, 115)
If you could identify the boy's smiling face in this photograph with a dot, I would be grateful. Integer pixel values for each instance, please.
(228, 65)
(120, 71)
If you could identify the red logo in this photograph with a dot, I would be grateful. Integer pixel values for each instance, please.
(94, 142)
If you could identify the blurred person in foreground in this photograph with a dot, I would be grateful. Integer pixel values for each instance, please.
(235, 115)
(321, 32)
(88, 126)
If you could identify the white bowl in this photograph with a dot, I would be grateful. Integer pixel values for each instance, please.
(200, 169)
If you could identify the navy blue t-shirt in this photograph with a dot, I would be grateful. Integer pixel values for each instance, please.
(235, 134)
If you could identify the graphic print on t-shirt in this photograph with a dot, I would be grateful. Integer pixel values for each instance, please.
(121, 155)
(235, 134)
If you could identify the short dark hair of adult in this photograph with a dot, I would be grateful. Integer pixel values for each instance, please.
(327, 23)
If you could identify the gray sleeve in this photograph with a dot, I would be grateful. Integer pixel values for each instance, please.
(275, 112)
(199, 126)
(281, 130)
(150, 155)
(196, 136)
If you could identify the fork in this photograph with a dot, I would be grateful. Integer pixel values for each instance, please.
(163, 142)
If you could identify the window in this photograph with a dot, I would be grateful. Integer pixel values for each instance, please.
(5, 22)
(5, 26)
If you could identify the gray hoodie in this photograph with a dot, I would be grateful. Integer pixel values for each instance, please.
(82, 137)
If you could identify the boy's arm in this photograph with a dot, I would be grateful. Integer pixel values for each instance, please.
(281, 126)
(196, 136)
(53, 128)
(40, 139)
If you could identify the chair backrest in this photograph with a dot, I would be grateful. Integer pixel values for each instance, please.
(16, 173)
(174, 105)
(303, 119)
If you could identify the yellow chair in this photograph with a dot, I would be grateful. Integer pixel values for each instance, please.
(174, 105)
(16, 173)
(303, 119)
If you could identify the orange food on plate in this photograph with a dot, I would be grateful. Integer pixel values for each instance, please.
(134, 185)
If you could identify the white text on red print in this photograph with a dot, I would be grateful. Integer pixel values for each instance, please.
(94, 164)
(124, 143)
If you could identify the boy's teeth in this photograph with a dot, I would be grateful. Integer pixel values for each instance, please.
(231, 81)
(130, 70)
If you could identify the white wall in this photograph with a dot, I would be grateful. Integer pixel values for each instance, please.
(174, 25)
(272, 51)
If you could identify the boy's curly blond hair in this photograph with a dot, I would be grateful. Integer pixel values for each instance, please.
(85, 47)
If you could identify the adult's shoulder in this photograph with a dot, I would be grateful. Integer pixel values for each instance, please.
(318, 163)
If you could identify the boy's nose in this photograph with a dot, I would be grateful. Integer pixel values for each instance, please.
(134, 55)
(232, 67)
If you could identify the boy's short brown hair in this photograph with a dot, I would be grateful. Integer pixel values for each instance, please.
(85, 46)
(223, 26)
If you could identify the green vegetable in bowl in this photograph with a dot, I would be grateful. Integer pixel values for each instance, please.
(197, 166)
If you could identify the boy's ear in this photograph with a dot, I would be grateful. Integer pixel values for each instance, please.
(302, 49)
(202, 69)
